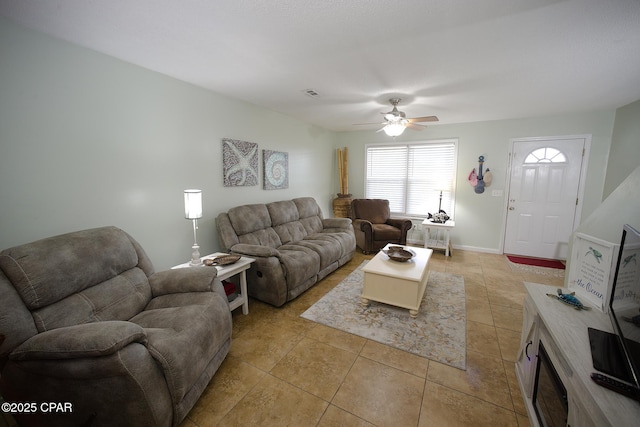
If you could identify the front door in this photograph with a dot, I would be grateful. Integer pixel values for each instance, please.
(543, 196)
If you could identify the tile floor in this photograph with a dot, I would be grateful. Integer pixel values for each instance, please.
(283, 370)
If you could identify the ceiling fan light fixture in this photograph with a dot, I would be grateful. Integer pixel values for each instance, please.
(394, 129)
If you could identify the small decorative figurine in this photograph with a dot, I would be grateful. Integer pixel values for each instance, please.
(569, 299)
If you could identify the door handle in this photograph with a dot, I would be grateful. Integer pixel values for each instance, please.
(526, 350)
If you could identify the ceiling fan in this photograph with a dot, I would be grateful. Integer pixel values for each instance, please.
(396, 121)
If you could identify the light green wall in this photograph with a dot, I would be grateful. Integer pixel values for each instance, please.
(625, 147)
(87, 140)
(480, 217)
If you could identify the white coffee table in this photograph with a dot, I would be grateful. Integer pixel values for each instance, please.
(224, 272)
(401, 284)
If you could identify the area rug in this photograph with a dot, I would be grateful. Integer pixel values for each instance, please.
(438, 333)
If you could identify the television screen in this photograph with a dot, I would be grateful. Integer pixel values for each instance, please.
(624, 305)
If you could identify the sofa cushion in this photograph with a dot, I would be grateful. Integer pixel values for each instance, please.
(375, 211)
(48, 270)
(299, 263)
(249, 218)
(307, 207)
(385, 232)
(183, 339)
(118, 298)
(267, 237)
(325, 246)
(282, 212)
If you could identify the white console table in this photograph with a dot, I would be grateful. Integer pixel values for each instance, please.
(563, 331)
(224, 272)
(438, 242)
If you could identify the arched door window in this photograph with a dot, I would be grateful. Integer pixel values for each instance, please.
(546, 155)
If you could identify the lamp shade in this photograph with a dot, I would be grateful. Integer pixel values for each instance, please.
(394, 129)
(192, 204)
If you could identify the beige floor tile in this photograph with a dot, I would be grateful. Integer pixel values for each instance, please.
(264, 346)
(380, 394)
(508, 295)
(337, 338)
(484, 378)
(523, 421)
(514, 387)
(315, 367)
(507, 317)
(479, 311)
(443, 407)
(482, 338)
(509, 342)
(384, 386)
(234, 379)
(273, 402)
(395, 358)
(544, 279)
(336, 417)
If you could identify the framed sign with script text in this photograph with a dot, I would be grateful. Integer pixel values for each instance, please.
(592, 269)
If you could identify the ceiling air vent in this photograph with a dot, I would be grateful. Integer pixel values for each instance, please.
(312, 93)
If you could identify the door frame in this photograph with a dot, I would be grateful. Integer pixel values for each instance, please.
(581, 183)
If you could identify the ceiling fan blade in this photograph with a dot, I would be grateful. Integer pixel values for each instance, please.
(368, 124)
(423, 119)
(415, 126)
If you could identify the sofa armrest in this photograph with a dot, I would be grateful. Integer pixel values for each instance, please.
(254, 250)
(180, 280)
(363, 225)
(336, 224)
(78, 341)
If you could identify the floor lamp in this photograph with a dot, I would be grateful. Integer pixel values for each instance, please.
(193, 211)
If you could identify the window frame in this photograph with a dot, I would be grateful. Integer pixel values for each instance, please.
(433, 200)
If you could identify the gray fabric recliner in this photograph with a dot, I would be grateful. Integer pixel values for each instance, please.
(87, 321)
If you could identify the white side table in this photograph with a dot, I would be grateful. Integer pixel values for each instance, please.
(224, 272)
(437, 241)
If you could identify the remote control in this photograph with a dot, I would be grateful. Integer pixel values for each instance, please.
(617, 386)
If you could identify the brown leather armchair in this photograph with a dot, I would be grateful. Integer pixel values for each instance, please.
(374, 227)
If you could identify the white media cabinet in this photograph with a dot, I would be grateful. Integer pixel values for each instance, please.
(563, 332)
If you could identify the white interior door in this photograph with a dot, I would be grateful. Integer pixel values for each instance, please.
(543, 196)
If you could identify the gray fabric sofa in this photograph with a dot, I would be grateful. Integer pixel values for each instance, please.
(88, 322)
(293, 245)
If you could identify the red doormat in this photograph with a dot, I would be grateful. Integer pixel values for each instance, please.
(538, 262)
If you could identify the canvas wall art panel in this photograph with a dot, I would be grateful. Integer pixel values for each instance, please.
(239, 163)
(275, 170)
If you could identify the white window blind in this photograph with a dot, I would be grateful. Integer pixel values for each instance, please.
(411, 176)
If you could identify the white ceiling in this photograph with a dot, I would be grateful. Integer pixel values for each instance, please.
(462, 60)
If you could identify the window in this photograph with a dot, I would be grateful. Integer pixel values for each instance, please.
(545, 155)
(411, 176)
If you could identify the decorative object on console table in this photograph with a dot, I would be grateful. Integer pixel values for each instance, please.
(440, 216)
(239, 163)
(193, 211)
(342, 204)
(275, 170)
(592, 269)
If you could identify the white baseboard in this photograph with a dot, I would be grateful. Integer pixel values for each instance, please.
(460, 247)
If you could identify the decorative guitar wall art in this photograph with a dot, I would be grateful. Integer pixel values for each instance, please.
(479, 180)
